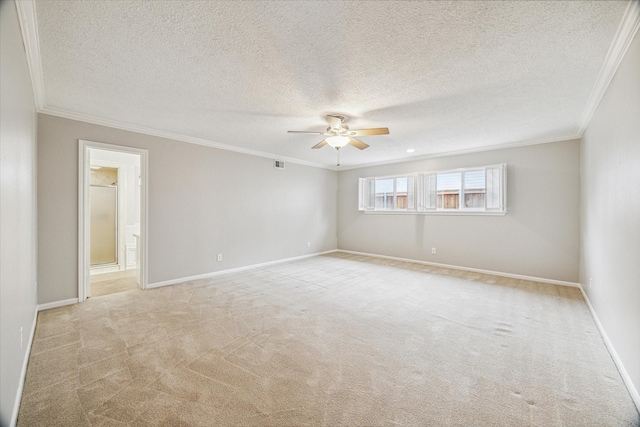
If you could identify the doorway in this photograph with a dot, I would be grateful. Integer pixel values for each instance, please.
(112, 219)
(105, 215)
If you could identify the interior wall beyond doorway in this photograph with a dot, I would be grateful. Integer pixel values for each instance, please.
(104, 217)
(128, 187)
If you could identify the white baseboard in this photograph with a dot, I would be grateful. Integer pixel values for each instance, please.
(623, 372)
(233, 270)
(614, 355)
(474, 270)
(454, 267)
(23, 372)
(56, 304)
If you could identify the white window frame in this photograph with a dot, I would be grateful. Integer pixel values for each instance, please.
(366, 198)
(422, 197)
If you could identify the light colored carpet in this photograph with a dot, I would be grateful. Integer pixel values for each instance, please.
(111, 283)
(330, 340)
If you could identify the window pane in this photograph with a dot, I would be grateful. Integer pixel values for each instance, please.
(474, 189)
(448, 189)
(401, 184)
(384, 194)
(449, 181)
(401, 192)
(474, 180)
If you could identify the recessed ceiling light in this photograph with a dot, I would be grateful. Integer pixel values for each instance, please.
(410, 150)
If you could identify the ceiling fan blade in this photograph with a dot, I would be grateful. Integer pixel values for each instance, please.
(335, 122)
(313, 133)
(368, 132)
(358, 144)
(320, 144)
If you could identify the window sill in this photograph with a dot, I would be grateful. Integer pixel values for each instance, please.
(452, 213)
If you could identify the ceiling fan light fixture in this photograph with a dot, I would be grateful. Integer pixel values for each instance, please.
(338, 141)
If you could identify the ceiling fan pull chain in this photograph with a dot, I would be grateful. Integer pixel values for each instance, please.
(338, 150)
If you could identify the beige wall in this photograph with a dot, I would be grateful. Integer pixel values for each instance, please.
(538, 237)
(17, 209)
(610, 213)
(202, 201)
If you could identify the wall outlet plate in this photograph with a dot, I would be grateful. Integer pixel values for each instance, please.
(219, 257)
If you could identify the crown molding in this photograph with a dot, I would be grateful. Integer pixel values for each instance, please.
(29, 27)
(174, 136)
(28, 24)
(199, 141)
(461, 152)
(623, 38)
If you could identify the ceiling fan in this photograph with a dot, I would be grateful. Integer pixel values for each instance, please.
(338, 134)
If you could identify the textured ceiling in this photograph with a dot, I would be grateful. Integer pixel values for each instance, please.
(442, 76)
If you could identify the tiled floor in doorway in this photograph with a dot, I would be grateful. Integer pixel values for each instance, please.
(111, 283)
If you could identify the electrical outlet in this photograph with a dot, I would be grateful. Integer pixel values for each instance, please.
(590, 280)
(433, 251)
(21, 336)
(308, 244)
(219, 257)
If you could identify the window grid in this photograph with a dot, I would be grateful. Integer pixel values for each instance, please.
(471, 190)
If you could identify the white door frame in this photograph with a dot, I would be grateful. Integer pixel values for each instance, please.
(84, 242)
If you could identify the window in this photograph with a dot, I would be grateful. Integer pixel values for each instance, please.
(384, 189)
(472, 190)
(461, 190)
(395, 193)
(448, 190)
